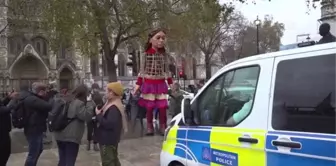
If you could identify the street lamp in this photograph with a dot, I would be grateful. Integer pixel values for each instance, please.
(257, 22)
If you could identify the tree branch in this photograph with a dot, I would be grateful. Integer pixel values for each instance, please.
(137, 34)
(3, 29)
(117, 14)
(128, 28)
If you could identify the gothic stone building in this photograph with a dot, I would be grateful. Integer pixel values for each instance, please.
(26, 58)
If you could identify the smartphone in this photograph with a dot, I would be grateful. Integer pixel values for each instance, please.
(89, 98)
(100, 106)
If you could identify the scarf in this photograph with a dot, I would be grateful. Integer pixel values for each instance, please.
(121, 108)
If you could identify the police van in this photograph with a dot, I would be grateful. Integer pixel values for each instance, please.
(274, 109)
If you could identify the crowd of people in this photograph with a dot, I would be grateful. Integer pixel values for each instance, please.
(107, 120)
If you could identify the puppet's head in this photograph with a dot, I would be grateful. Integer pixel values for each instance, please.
(156, 40)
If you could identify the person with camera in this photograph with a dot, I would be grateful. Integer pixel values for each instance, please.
(80, 110)
(92, 125)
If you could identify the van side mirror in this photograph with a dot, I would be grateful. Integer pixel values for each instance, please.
(186, 111)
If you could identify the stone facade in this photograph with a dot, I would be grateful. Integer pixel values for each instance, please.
(328, 14)
(27, 58)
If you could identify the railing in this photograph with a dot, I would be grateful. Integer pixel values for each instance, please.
(7, 85)
(129, 82)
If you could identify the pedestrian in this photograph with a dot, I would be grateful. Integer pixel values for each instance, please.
(68, 140)
(38, 109)
(92, 125)
(52, 93)
(192, 89)
(112, 120)
(200, 84)
(5, 128)
(176, 100)
(324, 31)
(153, 78)
(127, 98)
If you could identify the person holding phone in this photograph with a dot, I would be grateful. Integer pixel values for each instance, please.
(112, 122)
(80, 110)
(92, 125)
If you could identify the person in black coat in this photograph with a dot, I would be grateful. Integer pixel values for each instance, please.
(5, 128)
(37, 108)
(92, 125)
(127, 98)
(324, 31)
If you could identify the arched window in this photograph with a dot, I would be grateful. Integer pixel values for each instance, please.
(40, 45)
(16, 44)
(62, 52)
(94, 65)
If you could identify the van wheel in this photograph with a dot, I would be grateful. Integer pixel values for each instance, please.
(176, 163)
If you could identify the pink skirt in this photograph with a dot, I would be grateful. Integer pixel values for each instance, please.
(154, 95)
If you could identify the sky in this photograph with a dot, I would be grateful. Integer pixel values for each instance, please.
(293, 13)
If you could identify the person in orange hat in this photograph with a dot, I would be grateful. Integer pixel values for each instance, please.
(111, 120)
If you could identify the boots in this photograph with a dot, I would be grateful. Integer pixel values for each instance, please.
(95, 147)
(150, 132)
(162, 129)
(163, 121)
(88, 146)
(150, 127)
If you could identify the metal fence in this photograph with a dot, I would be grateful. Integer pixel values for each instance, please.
(7, 85)
(129, 82)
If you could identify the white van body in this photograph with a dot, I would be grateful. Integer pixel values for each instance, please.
(290, 119)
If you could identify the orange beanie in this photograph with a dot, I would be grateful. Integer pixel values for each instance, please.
(116, 87)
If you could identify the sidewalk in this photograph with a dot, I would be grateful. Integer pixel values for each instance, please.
(143, 151)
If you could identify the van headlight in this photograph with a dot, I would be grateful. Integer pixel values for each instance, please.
(170, 125)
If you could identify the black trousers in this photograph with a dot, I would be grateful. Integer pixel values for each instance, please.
(5, 146)
(91, 130)
(67, 152)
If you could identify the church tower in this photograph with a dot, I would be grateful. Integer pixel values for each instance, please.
(328, 14)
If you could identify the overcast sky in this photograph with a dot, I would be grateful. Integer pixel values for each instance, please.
(293, 13)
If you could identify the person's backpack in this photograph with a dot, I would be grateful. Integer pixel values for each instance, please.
(58, 117)
(20, 116)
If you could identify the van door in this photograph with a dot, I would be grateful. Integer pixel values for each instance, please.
(231, 114)
(302, 123)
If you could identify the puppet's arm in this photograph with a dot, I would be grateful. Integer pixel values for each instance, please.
(167, 71)
(141, 73)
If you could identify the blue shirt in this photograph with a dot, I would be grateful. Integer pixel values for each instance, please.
(243, 112)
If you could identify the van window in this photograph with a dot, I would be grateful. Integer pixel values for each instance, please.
(229, 99)
(304, 95)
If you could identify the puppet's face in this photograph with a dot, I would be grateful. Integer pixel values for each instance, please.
(158, 40)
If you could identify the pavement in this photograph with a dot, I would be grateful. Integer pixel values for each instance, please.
(131, 149)
(19, 143)
(142, 151)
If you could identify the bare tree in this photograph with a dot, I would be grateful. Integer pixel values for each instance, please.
(209, 25)
(231, 49)
(244, 43)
